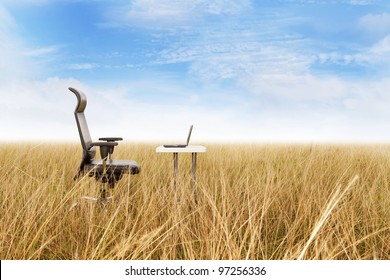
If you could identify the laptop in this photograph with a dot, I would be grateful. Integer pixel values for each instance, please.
(180, 145)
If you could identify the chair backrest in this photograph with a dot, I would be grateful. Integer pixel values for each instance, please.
(82, 125)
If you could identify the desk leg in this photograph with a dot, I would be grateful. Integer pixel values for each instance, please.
(194, 175)
(175, 167)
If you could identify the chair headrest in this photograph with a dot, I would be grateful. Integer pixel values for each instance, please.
(81, 100)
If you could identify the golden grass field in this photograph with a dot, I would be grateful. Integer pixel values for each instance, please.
(253, 202)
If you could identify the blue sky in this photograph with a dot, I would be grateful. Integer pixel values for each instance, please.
(258, 71)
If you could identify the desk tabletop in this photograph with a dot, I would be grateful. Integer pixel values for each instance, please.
(188, 149)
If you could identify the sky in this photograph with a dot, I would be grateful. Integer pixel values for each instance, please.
(238, 70)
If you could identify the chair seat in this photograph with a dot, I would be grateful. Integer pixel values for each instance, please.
(114, 166)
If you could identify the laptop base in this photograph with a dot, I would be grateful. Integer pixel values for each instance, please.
(175, 146)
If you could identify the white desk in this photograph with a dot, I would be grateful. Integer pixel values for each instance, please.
(189, 149)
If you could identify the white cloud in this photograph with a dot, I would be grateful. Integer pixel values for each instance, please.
(357, 111)
(46, 108)
(323, 108)
(382, 47)
(375, 24)
(376, 56)
(354, 99)
(290, 87)
(34, 110)
(43, 110)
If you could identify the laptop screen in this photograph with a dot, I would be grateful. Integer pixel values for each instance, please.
(189, 135)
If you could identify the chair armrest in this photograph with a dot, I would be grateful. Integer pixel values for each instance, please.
(106, 148)
(111, 139)
(107, 144)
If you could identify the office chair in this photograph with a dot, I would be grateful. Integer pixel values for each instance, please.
(106, 170)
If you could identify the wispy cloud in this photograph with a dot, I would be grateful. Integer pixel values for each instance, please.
(171, 14)
(44, 2)
(361, 2)
(351, 2)
(7, 21)
(26, 2)
(12, 61)
(39, 52)
(218, 39)
(376, 57)
(83, 66)
(233, 55)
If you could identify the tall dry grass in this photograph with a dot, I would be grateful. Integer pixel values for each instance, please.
(253, 202)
